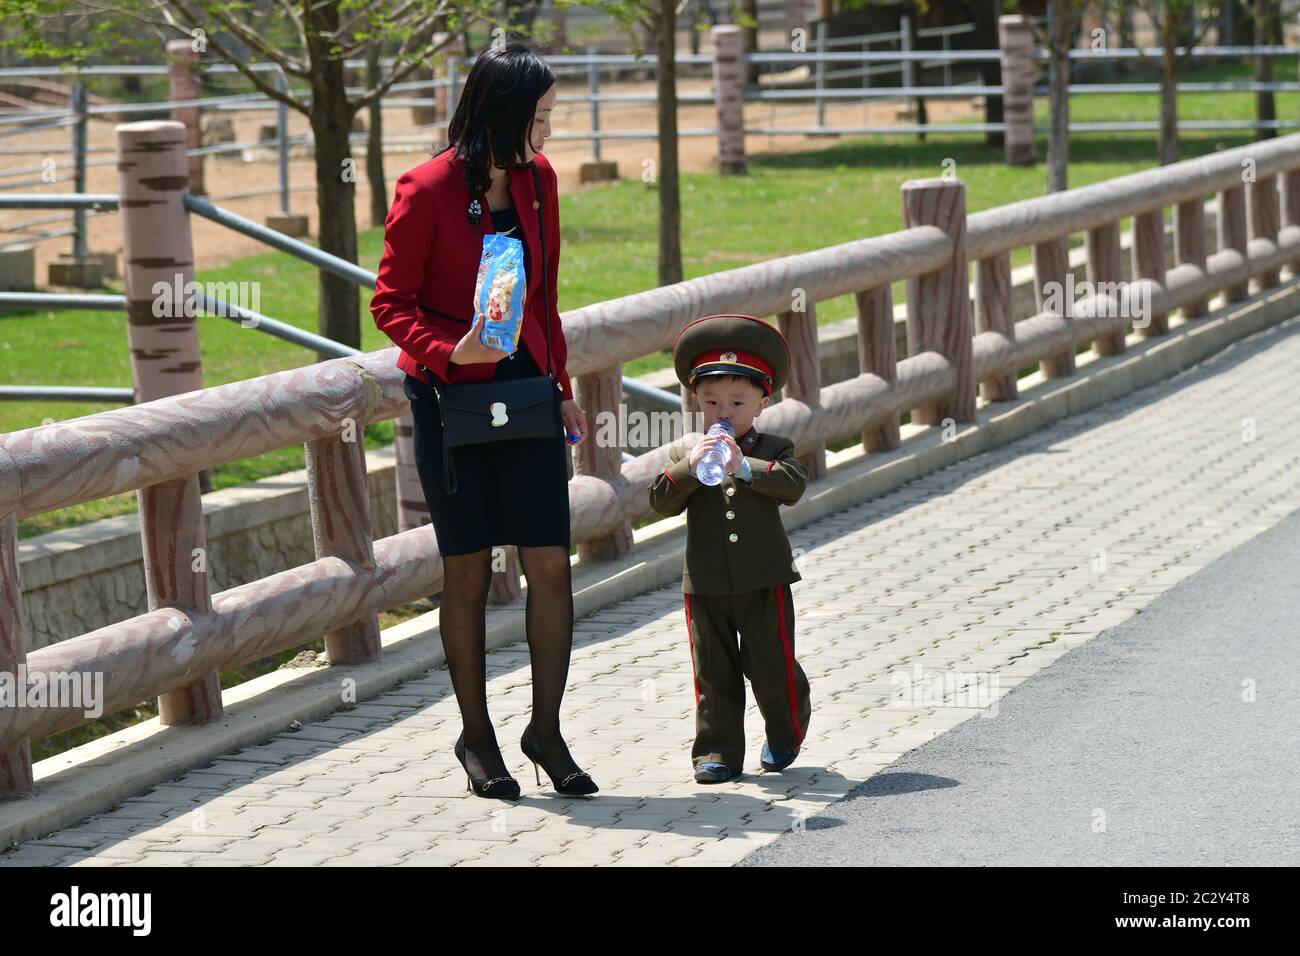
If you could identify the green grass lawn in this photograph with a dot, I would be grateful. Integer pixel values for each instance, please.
(787, 204)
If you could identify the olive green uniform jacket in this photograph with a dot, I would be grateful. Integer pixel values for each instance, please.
(735, 541)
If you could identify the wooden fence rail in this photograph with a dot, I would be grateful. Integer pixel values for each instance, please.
(957, 349)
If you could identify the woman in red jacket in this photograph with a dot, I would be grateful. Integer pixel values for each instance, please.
(509, 492)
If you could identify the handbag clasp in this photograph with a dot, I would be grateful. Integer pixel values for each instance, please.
(499, 416)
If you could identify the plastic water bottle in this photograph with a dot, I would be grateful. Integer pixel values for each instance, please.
(713, 462)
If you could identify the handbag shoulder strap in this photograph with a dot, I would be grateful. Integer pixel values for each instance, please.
(546, 292)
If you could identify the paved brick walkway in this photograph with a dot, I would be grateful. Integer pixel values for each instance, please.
(990, 569)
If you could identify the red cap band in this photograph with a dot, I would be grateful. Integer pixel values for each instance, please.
(733, 357)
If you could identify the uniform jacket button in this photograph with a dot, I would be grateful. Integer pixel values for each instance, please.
(734, 536)
(731, 514)
(730, 492)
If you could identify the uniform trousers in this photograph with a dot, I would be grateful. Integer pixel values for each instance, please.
(764, 653)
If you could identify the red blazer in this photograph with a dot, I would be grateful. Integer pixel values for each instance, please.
(431, 258)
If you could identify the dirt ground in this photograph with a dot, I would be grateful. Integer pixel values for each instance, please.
(256, 168)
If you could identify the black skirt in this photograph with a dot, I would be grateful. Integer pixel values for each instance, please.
(509, 492)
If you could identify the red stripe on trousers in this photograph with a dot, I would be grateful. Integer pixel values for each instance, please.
(691, 650)
(789, 665)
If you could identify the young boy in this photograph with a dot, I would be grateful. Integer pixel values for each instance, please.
(739, 567)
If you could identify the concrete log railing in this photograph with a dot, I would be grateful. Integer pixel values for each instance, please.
(956, 349)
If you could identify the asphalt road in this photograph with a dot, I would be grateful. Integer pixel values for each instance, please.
(1141, 747)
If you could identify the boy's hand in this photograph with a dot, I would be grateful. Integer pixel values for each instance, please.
(735, 455)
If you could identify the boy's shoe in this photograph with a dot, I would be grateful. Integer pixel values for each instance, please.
(779, 760)
(712, 772)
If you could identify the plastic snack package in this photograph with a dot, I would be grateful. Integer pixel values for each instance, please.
(499, 291)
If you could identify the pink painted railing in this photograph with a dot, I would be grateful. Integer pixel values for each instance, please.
(156, 448)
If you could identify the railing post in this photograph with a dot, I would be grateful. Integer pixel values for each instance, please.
(804, 383)
(158, 269)
(1016, 41)
(176, 575)
(1262, 203)
(1149, 261)
(77, 94)
(596, 169)
(338, 494)
(159, 254)
(183, 62)
(282, 140)
(1231, 227)
(938, 304)
(1051, 271)
(15, 757)
(600, 394)
(795, 17)
(993, 314)
(1106, 266)
(505, 587)
(1189, 246)
(729, 98)
(878, 355)
(1291, 207)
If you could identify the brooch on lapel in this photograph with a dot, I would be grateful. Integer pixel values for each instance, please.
(475, 215)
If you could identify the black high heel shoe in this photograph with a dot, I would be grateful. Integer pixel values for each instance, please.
(576, 784)
(503, 788)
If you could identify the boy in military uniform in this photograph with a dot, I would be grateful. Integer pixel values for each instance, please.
(738, 567)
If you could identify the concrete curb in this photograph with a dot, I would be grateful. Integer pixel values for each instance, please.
(98, 775)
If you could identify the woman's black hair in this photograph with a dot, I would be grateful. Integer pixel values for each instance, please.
(501, 91)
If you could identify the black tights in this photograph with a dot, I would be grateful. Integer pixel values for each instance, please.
(549, 622)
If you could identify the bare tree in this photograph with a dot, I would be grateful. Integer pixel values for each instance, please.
(984, 17)
(1267, 15)
(1170, 18)
(657, 19)
(308, 41)
(1065, 18)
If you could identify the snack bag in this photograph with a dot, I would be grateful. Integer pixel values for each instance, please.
(499, 291)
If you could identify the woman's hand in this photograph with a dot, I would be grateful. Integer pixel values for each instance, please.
(574, 421)
(470, 349)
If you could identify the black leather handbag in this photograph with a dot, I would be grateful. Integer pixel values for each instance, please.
(477, 412)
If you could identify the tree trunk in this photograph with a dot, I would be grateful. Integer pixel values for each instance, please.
(1168, 92)
(1127, 37)
(670, 207)
(749, 36)
(985, 37)
(1058, 75)
(331, 122)
(1270, 33)
(375, 143)
(918, 102)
